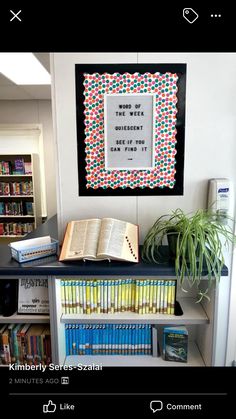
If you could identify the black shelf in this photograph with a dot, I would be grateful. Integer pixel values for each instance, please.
(51, 265)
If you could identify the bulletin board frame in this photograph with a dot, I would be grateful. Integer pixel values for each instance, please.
(88, 70)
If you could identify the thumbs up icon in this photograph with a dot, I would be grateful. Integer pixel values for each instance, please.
(50, 407)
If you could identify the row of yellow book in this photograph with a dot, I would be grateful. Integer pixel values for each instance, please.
(142, 296)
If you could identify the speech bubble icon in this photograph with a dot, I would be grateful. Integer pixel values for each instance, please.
(156, 406)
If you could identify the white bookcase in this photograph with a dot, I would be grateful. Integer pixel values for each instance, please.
(16, 318)
(196, 317)
(34, 197)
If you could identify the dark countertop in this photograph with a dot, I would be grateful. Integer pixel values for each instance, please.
(51, 266)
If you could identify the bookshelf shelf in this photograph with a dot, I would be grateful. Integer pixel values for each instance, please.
(16, 196)
(13, 176)
(25, 318)
(19, 194)
(194, 360)
(192, 314)
(16, 216)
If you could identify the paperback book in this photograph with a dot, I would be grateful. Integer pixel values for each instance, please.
(175, 343)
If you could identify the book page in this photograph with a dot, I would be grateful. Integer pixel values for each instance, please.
(130, 249)
(118, 239)
(81, 239)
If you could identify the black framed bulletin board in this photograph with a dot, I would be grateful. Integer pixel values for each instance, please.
(130, 129)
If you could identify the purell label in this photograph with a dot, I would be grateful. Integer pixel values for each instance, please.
(223, 190)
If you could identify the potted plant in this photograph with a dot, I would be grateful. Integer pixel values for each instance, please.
(196, 244)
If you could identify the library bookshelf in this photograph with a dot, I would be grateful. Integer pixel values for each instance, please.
(19, 190)
(194, 316)
(201, 319)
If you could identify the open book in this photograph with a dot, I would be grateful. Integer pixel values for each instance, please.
(99, 239)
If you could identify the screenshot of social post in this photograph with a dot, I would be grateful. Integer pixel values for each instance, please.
(117, 212)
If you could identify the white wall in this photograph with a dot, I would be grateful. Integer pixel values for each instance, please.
(35, 112)
(210, 150)
(210, 141)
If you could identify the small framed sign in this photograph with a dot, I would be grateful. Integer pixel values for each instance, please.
(33, 296)
(128, 131)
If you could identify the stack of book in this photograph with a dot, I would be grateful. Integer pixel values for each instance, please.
(116, 296)
(25, 344)
(108, 339)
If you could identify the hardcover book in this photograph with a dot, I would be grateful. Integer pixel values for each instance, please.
(98, 239)
(175, 343)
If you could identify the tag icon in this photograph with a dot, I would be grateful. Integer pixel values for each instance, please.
(190, 15)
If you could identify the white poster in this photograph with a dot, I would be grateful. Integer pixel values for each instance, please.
(33, 296)
(129, 131)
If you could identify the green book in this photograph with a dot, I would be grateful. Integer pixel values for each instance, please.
(175, 343)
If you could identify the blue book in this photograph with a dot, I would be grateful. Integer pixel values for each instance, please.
(70, 339)
(67, 339)
(109, 338)
(77, 339)
(2, 208)
(73, 340)
(83, 337)
(113, 344)
(149, 339)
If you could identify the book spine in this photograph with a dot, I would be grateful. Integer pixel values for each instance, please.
(91, 284)
(70, 298)
(136, 304)
(112, 296)
(102, 302)
(166, 283)
(105, 296)
(108, 296)
(84, 297)
(158, 296)
(80, 296)
(95, 296)
(77, 335)
(132, 285)
(147, 297)
(119, 296)
(99, 296)
(88, 302)
(73, 340)
(103, 339)
(80, 339)
(140, 305)
(116, 296)
(144, 299)
(122, 295)
(173, 289)
(169, 297)
(67, 308)
(62, 297)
